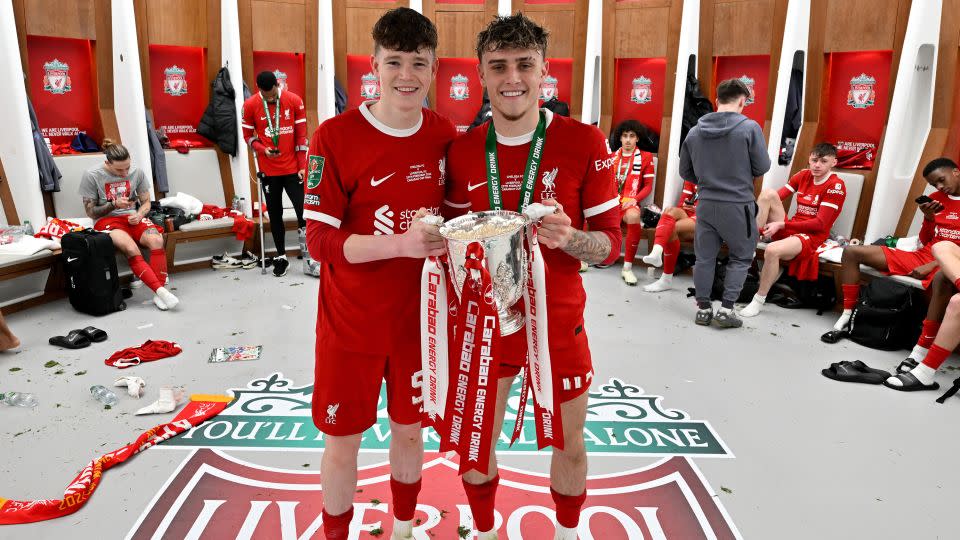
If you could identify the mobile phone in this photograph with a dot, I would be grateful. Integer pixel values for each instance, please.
(923, 199)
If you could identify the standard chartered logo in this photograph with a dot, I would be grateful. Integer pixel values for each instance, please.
(383, 220)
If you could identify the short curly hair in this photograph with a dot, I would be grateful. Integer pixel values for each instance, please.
(512, 32)
(405, 30)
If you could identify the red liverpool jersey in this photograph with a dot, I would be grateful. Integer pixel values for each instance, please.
(366, 178)
(576, 170)
(634, 175)
(292, 142)
(945, 224)
(818, 205)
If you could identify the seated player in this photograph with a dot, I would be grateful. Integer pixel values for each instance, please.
(676, 223)
(820, 195)
(634, 172)
(110, 194)
(940, 212)
(947, 333)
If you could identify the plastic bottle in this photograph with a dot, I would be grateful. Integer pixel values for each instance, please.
(103, 395)
(18, 399)
(242, 205)
(236, 204)
(27, 228)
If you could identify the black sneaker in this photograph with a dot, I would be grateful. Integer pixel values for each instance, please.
(704, 316)
(727, 319)
(280, 265)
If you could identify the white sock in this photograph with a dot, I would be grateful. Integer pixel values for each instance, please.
(627, 265)
(563, 533)
(665, 283)
(724, 310)
(754, 307)
(402, 529)
(843, 320)
(918, 353)
(655, 258)
(134, 385)
(167, 298)
(170, 397)
(157, 301)
(922, 372)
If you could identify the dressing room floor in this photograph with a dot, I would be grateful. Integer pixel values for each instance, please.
(806, 457)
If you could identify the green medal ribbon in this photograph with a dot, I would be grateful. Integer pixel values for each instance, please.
(274, 126)
(529, 174)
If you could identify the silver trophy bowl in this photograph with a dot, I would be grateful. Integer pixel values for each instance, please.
(501, 233)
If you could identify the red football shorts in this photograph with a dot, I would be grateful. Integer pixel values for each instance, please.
(346, 388)
(570, 361)
(901, 263)
(806, 265)
(120, 223)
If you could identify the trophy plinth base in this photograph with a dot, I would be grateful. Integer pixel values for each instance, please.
(511, 321)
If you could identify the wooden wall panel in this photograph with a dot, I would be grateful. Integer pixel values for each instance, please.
(178, 22)
(861, 25)
(561, 26)
(278, 26)
(458, 33)
(742, 28)
(640, 32)
(61, 18)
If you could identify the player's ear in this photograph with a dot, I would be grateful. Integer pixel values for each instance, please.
(375, 65)
(436, 65)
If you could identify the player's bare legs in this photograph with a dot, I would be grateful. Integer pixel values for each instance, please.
(769, 208)
(775, 253)
(481, 488)
(850, 261)
(568, 468)
(675, 225)
(406, 464)
(7, 339)
(338, 472)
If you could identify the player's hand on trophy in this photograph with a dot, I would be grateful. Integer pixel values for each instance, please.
(555, 231)
(422, 239)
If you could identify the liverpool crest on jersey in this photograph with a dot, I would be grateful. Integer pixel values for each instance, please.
(281, 79)
(175, 81)
(749, 82)
(861, 94)
(369, 86)
(642, 90)
(56, 77)
(459, 90)
(548, 89)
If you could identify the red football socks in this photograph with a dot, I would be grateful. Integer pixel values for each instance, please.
(665, 228)
(935, 356)
(928, 333)
(337, 527)
(568, 508)
(158, 263)
(404, 498)
(481, 498)
(634, 231)
(850, 295)
(143, 271)
(671, 252)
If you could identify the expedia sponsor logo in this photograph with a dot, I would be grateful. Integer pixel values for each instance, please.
(602, 164)
(835, 191)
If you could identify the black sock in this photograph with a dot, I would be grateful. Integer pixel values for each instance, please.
(726, 304)
(704, 304)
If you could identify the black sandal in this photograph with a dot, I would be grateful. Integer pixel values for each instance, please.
(76, 339)
(911, 384)
(847, 372)
(834, 336)
(94, 334)
(907, 365)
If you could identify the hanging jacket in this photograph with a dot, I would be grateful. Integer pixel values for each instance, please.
(695, 105)
(49, 173)
(158, 160)
(792, 117)
(339, 96)
(219, 121)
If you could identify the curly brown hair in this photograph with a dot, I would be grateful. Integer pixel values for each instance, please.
(405, 30)
(512, 32)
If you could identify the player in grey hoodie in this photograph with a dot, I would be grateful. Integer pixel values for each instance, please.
(723, 154)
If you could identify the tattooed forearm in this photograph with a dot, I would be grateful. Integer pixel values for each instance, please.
(590, 247)
(95, 212)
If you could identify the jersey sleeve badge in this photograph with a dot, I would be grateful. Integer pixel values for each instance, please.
(315, 171)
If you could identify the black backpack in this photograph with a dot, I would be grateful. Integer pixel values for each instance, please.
(89, 260)
(792, 293)
(750, 285)
(888, 316)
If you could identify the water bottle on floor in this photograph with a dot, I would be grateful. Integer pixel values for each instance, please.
(103, 395)
(18, 399)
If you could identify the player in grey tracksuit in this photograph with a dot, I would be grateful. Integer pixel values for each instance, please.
(723, 154)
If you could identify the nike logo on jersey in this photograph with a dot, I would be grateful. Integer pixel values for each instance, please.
(471, 187)
(71, 259)
(376, 182)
